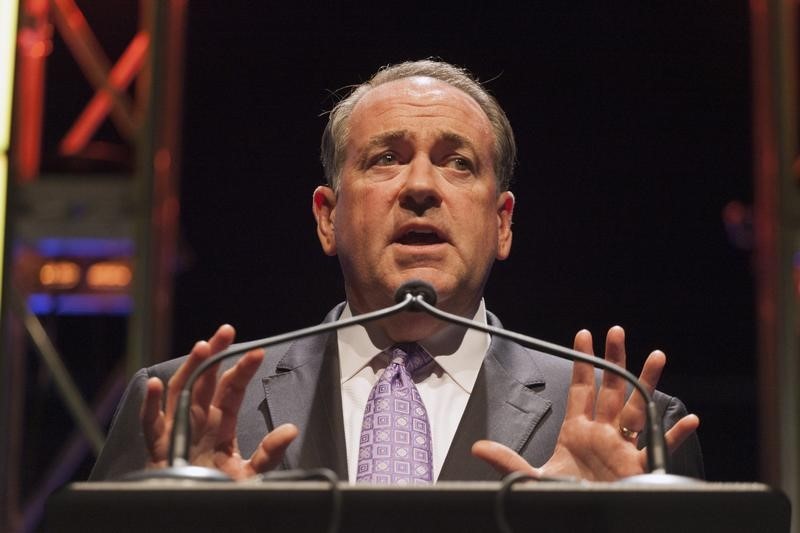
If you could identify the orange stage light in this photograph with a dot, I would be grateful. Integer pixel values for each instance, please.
(59, 275)
(109, 275)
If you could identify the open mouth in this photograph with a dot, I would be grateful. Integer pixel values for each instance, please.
(420, 238)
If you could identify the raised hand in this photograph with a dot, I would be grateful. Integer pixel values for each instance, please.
(600, 429)
(214, 409)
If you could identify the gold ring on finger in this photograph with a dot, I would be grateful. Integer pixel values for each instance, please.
(629, 434)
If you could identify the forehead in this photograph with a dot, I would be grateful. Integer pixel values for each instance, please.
(419, 103)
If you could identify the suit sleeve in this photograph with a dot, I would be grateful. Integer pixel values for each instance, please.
(124, 450)
(687, 460)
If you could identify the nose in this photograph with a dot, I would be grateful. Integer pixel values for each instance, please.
(421, 188)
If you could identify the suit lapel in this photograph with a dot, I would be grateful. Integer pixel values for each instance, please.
(504, 407)
(304, 390)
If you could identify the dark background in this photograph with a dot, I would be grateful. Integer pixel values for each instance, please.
(633, 127)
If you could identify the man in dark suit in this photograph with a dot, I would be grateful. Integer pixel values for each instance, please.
(418, 162)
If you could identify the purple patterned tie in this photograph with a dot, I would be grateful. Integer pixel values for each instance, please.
(395, 445)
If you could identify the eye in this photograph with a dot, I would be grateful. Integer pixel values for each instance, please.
(386, 159)
(460, 163)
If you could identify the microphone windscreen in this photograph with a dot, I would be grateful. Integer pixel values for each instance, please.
(416, 287)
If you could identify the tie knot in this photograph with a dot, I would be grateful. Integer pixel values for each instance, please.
(410, 355)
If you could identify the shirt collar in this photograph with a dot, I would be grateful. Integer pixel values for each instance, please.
(459, 354)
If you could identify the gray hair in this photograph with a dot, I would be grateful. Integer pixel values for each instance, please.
(334, 138)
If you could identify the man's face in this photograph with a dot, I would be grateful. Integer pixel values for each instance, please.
(418, 197)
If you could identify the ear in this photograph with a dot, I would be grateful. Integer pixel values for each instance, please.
(505, 212)
(323, 206)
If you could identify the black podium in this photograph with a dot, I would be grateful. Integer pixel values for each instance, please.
(297, 507)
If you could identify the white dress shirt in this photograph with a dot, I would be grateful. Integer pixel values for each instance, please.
(445, 390)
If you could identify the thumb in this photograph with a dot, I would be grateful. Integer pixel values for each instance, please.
(273, 446)
(502, 458)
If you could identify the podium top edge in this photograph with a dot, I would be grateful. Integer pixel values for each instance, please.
(445, 486)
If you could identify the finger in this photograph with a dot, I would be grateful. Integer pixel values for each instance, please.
(615, 353)
(580, 398)
(203, 390)
(152, 418)
(583, 342)
(633, 414)
(270, 453)
(611, 397)
(502, 458)
(200, 352)
(230, 392)
(682, 429)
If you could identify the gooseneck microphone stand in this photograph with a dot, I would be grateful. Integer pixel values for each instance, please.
(414, 296)
(655, 443)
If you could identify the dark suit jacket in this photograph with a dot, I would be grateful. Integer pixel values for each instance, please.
(518, 399)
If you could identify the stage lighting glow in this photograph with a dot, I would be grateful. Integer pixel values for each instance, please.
(80, 304)
(8, 37)
(59, 275)
(78, 276)
(109, 275)
(84, 247)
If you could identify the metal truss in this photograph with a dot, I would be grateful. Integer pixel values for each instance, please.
(777, 244)
(147, 121)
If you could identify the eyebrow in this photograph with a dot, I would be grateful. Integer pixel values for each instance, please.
(380, 140)
(458, 141)
(387, 137)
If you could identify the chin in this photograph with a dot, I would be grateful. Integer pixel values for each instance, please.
(441, 282)
(412, 327)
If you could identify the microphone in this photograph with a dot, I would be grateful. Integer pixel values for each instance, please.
(413, 296)
(416, 288)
